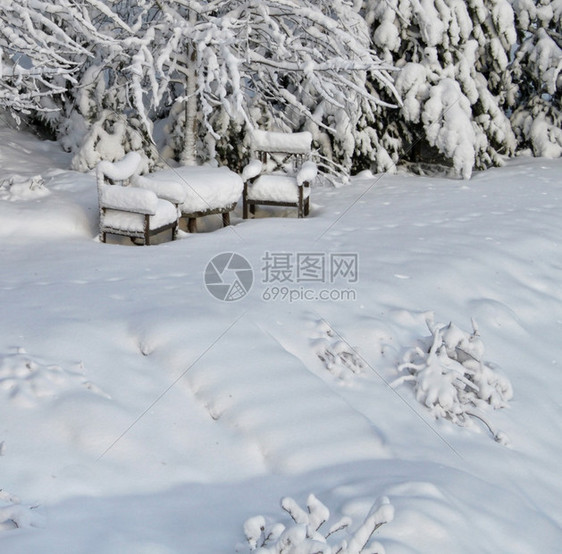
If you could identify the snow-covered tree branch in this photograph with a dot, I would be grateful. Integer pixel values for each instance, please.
(41, 49)
(377, 83)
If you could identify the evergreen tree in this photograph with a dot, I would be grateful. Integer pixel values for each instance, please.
(454, 80)
(537, 116)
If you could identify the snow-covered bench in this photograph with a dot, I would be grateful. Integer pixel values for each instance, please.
(208, 190)
(281, 174)
(139, 211)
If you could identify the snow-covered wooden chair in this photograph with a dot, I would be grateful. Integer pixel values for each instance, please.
(281, 173)
(134, 206)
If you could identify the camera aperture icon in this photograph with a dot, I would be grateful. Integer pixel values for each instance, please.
(229, 276)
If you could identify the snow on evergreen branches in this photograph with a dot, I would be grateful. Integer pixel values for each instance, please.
(451, 378)
(307, 534)
(454, 81)
(537, 115)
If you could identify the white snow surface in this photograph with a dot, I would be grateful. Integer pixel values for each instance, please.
(139, 414)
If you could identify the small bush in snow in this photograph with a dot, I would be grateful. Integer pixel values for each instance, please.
(25, 379)
(451, 378)
(307, 536)
(340, 359)
(23, 188)
(13, 515)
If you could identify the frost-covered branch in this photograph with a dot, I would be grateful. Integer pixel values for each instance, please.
(307, 536)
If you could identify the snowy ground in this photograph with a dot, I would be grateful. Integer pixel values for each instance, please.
(139, 414)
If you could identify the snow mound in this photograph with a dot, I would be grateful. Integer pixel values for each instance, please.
(339, 358)
(23, 188)
(14, 515)
(25, 379)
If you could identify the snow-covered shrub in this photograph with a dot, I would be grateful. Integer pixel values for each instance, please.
(25, 379)
(23, 188)
(306, 534)
(451, 378)
(339, 358)
(480, 78)
(14, 515)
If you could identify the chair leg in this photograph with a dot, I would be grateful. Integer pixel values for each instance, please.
(245, 202)
(176, 227)
(307, 207)
(192, 225)
(147, 230)
(253, 209)
(226, 219)
(300, 203)
(103, 237)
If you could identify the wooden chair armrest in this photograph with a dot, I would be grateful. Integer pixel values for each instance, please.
(307, 173)
(252, 170)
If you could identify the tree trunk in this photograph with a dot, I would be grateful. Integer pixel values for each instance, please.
(189, 152)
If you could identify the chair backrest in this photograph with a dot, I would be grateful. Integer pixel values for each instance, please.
(118, 172)
(277, 150)
(109, 174)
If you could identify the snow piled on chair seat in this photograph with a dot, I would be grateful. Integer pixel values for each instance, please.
(276, 188)
(290, 143)
(165, 214)
(207, 188)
